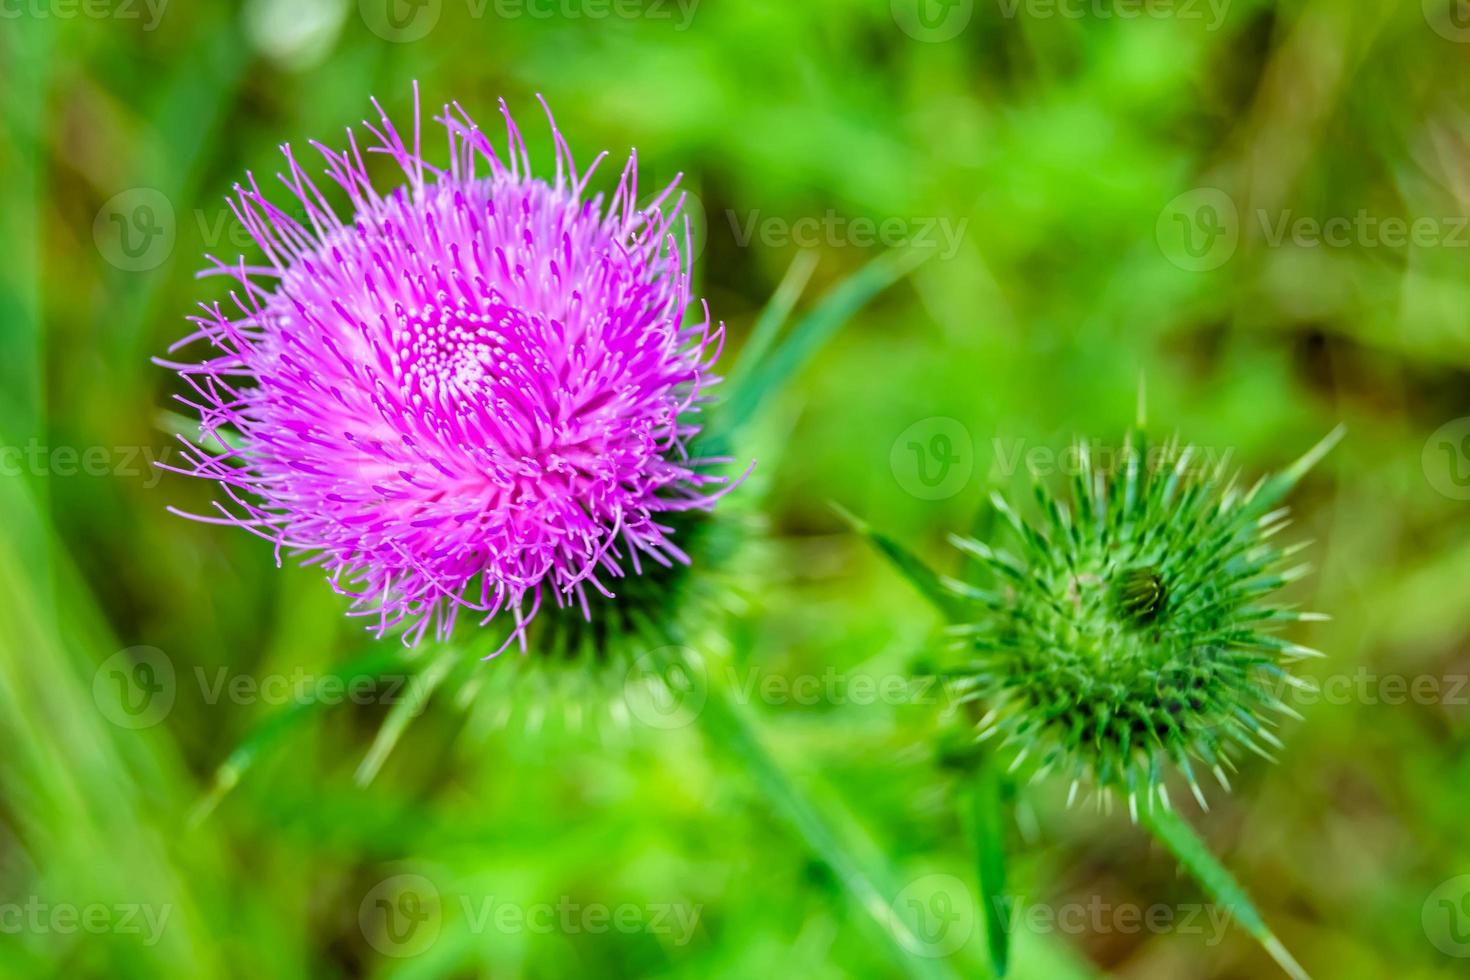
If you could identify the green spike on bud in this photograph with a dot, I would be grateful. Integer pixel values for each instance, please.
(1129, 628)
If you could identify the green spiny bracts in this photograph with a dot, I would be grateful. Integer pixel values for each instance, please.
(668, 605)
(591, 671)
(1132, 626)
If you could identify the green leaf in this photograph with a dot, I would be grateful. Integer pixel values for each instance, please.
(988, 807)
(1177, 835)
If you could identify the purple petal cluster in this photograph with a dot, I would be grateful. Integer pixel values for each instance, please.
(476, 391)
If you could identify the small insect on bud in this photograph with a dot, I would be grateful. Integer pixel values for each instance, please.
(1139, 595)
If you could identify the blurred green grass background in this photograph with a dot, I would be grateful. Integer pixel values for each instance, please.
(1114, 187)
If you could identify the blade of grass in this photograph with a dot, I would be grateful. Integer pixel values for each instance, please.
(813, 331)
(370, 666)
(768, 326)
(25, 51)
(1179, 837)
(102, 803)
(988, 831)
(406, 710)
(987, 806)
(871, 887)
(192, 105)
(909, 565)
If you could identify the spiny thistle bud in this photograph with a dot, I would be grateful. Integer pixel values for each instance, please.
(1133, 626)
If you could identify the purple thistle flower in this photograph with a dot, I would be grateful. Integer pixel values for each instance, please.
(478, 391)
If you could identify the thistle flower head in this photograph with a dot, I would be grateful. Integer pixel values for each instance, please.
(474, 391)
(1131, 627)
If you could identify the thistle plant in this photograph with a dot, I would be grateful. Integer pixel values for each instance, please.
(1132, 624)
(485, 392)
(1120, 630)
(476, 394)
